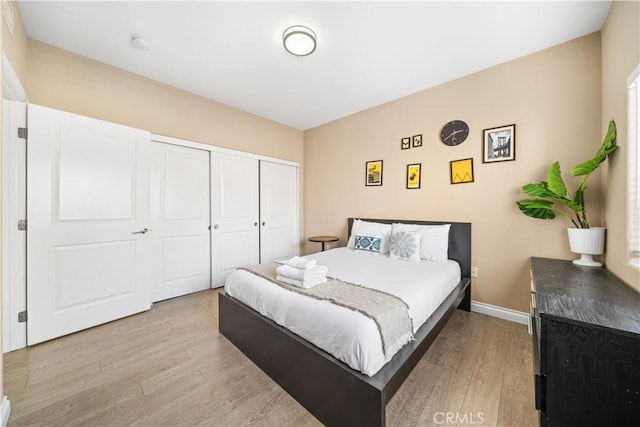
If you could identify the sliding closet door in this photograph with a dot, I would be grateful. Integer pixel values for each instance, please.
(179, 220)
(278, 211)
(89, 260)
(234, 214)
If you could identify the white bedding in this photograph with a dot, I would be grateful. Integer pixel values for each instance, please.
(422, 285)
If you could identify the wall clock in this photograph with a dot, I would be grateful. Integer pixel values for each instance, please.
(454, 132)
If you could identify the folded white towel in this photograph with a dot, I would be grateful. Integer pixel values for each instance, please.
(302, 263)
(302, 283)
(298, 274)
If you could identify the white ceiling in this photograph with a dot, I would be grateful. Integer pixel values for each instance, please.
(368, 53)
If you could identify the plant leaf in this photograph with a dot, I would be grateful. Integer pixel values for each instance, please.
(538, 190)
(555, 182)
(537, 208)
(608, 147)
(570, 204)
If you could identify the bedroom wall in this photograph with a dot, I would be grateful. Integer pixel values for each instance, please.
(69, 82)
(2, 37)
(620, 55)
(554, 99)
(15, 45)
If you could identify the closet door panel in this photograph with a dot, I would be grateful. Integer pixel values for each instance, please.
(179, 220)
(278, 211)
(234, 214)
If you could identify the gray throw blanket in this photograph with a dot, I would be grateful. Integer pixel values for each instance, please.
(390, 313)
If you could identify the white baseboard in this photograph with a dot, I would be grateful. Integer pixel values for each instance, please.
(5, 411)
(500, 312)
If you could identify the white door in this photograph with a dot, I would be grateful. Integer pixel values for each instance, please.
(234, 215)
(87, 197)
(278, 211)
(179, 220)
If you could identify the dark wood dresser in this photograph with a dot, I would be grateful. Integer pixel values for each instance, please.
(586, 346)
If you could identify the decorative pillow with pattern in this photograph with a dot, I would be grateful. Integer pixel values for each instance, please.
(405, 245)
(368, 243)
(434, 243)
(375, 229)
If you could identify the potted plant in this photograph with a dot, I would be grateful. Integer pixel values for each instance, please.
(551, 198)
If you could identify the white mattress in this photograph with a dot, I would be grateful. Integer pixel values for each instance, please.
(348, 335)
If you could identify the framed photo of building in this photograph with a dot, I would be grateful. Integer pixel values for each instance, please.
(413, 175)
(461, 171)
(499, 144)
(374, 173)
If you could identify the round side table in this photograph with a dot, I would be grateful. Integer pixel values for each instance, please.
(323, 239)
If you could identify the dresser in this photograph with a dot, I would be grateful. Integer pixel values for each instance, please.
(586, 346)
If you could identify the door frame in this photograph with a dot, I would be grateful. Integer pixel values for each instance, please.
(14, 290)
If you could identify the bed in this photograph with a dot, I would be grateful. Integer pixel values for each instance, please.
(331, 390)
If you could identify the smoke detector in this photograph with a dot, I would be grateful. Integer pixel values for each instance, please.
(140, 43)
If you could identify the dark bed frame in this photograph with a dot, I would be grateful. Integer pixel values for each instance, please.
(333, 392)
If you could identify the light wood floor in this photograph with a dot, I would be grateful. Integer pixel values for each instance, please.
(171, 367)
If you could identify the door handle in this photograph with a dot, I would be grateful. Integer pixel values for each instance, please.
(264, 223)
(255, 224)
(215, 227)
(143, 231)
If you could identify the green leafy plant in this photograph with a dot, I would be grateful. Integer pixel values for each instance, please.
(552, 197)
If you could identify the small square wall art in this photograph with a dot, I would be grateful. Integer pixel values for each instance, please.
(461, 171)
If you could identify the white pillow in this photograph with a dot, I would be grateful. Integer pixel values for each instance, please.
(434, 245)
(405, 244)
(371, 229)
(434, 241)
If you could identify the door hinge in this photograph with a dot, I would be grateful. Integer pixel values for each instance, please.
(23, 133)
(22, 316)
(22, 224)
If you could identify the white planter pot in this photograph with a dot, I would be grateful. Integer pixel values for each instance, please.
(587, 242)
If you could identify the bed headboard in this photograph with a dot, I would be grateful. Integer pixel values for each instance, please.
(459, 239)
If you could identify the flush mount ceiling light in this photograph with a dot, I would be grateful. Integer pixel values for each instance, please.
(299, 40)
(140, 43)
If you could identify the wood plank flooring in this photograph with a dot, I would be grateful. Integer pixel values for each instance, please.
(171, 367)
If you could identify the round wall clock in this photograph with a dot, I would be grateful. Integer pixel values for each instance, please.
(454, 132)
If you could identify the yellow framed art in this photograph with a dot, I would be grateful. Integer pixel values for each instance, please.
(413, 175)
(374, 173)
(461, 171)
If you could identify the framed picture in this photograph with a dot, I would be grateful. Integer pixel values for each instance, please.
(461, 171)
(499, 144)
(417, 140)
(405, 143)
(374, 173)
(413, 175)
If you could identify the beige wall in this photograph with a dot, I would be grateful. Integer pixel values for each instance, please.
(552, 96)
(2, 38)
(15, 45)
(620, 55)
(69, 82)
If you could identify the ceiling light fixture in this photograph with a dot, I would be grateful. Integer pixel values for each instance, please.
(299, 40)
(140, 43)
